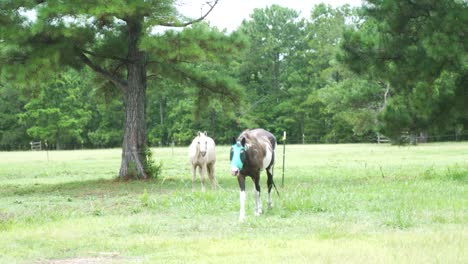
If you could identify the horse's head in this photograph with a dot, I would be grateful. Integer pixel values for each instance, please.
(202, 143)
(237, 156)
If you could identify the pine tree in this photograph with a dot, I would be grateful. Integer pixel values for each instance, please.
(115, 39)
(419, 47)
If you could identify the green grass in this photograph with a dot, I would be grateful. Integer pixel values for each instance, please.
(352, 203)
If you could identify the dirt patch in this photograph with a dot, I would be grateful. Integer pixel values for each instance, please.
(95, 260)
(103, 258)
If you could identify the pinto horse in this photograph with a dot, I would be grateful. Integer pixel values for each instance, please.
(251, 152)
(202, 155)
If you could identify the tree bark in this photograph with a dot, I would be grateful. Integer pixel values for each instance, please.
(161, 110)
(134, 141)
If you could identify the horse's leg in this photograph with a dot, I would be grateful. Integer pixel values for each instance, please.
(214, 182)
(202, 177)
(269, 172)
(194, 172)
(242, 196)
(258, 199)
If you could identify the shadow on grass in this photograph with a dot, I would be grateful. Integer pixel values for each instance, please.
(94, 187)
(109, 187)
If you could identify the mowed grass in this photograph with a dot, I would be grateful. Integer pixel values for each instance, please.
(351, 203)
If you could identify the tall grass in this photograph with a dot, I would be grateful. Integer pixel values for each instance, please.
(340, 203)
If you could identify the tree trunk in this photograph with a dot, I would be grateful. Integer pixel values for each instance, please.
(161, 110)
(134, 141)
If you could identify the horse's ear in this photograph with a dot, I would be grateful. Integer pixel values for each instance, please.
(243, 142)
(233, 141)
(204, 132)
(198, 134)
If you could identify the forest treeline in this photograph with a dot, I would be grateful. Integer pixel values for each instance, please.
(344, 74)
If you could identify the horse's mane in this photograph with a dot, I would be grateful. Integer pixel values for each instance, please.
(246, 134)
(248, 137)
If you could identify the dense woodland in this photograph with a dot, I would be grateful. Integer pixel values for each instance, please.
(394, 68)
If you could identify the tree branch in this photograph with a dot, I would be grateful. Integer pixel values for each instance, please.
(13, 60)
(179, 24)
(117, 68)
(105, 57)
(122, 84)
(202, 85)
(174, 60)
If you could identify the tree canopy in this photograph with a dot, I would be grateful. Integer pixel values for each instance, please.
(420, 48)
(116, 41)
(104, 74)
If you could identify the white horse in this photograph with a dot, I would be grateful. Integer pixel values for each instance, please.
(202, 155)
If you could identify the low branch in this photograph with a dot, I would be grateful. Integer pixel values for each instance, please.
(122, 84)
(20, 58)
(174, 61)
(154, 76)
(179, 24)
(104, 57)
(117, 68)
(202, 85)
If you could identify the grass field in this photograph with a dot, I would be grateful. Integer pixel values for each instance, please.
(353, 203)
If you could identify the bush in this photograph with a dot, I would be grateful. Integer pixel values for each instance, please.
(152, 168)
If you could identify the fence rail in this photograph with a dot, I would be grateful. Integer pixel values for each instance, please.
(36, 145)
(317, 139)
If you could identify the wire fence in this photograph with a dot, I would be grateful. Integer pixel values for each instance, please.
(404, 139)
(305, 139)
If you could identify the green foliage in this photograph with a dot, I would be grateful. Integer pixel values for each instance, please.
(271, 67)
(420, 49)
(60, 112)
(339, 75)
(116, 41)
(458, 173)
(106, 125)
(349, 103)
(12, 134)
(144, 198)
(151, 168)
(198, 91)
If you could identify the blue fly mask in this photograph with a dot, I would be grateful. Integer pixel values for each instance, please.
(237, 157)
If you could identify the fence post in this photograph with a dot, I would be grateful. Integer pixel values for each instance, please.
(47, 149)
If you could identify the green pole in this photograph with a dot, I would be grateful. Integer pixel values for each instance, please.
(284, 155)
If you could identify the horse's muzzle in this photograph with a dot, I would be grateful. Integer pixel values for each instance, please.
(234, 171)
(203, 153)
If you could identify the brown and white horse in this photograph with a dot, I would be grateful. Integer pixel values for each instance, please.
(202, 155)
(251, 152)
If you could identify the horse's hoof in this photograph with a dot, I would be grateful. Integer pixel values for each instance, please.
(258, 212)
(241, 218)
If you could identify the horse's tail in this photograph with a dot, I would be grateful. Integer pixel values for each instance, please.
(273, 182)
(274, 185)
